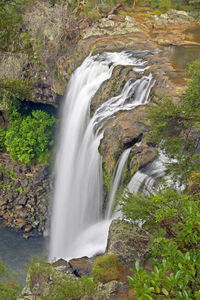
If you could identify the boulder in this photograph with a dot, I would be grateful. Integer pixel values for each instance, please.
(141, 156)
(128, 241)
(112, 290)
(81, 266)
(63, 266)
(126, 129)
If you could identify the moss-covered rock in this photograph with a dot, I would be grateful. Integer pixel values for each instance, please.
(128, 242)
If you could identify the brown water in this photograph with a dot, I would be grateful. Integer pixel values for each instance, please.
(193, 34)
(181, 56)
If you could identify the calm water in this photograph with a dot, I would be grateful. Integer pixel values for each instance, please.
(15, 251)
(181, 56)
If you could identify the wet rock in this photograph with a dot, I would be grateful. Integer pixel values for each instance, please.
(28, 235)
(81, 266)
(128, 242)
(20, 222)
(113, 86)
(141, 156)
(125, 129)
(28, 228)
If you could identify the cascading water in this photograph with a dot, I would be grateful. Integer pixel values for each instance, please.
(143, 181)
(148, 179)
(117, 177)
(77, 228)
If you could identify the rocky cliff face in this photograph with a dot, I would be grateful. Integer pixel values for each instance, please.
(25, 196)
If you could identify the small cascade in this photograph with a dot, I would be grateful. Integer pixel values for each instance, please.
(116, 182)
(77, 225)
(148, 179)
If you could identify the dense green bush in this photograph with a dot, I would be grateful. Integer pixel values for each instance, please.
(175, 252)
(175, 260)
(156, 209)
(30, 138)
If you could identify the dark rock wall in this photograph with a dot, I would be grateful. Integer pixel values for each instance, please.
(25, 193)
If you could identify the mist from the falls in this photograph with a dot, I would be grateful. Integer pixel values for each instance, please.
(77, 225)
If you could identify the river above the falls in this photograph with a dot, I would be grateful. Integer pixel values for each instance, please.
(15, 251)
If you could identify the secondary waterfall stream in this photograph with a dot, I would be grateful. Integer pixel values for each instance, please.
(78, 227)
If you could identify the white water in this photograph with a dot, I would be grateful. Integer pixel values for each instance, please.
(148, 180)
(144, 180)
(117, 177)
(77, 228)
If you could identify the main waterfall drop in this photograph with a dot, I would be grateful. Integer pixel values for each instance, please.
(78, 227)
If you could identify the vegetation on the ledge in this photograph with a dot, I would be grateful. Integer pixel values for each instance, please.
(174, 219)
(106, 268)
(96, 8)
(175, 127)
(9, 289)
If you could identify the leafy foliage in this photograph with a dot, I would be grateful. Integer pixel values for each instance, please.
(176, 127)
(30, 138)
(155, 210)
(176, 259)
(9, 289)
(175, 276)
(16, 87)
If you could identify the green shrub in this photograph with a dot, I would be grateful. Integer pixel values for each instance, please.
(16, 88)
(9, 289)
(154, 210)
(30, 139)
(106, 268)
(175, 260)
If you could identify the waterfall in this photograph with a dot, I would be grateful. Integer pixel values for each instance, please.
(117, 177)
(77, 225)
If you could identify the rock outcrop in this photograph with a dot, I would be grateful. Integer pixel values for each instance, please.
(128, 242)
